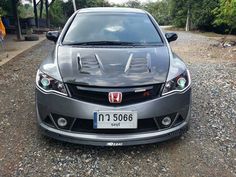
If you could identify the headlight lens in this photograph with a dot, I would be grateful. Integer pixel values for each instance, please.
(49, 84)
(177, 84)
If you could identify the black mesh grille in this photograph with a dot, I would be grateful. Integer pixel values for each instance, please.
(99, 95)
(85, 125)
(144, 125)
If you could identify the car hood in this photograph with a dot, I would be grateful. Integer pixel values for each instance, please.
(113, 67)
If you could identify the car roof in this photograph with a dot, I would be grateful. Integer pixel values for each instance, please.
(111, 10)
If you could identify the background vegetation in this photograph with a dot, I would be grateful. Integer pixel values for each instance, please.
(207, 15)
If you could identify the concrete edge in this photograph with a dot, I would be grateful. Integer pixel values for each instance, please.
(4, 61)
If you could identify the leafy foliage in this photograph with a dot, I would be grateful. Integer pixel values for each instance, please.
(133, 4)
(160, 11)
(226, 14)
(5, 7)
(68, 7)
(2, 12)
(178, 12)
(25, 11)
(201, 13)
(216, 15)
(57, 14)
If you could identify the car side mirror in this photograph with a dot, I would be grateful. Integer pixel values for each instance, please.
(171, 37)
(53, 35)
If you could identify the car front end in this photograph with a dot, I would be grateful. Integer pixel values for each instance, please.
(108, 94)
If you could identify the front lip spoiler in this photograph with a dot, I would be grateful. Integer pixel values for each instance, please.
(114, 140)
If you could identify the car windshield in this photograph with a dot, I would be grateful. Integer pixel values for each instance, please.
(112, 29)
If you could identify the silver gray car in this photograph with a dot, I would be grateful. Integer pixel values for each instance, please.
(112, 80)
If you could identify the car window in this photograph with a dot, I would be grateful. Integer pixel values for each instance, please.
(125, 27)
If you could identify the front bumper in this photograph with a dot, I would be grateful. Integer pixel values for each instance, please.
(48, 103)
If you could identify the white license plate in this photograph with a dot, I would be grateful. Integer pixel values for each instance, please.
(115, 120)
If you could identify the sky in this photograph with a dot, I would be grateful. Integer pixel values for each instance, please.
(124, 1)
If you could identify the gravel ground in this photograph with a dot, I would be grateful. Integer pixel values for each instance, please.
(207, 149)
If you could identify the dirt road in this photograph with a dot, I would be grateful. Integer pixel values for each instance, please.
(208, 149)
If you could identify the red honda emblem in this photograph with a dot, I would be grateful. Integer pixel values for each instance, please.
(115, 97)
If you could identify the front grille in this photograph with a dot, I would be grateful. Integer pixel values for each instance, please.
(85, 125)
(79, 125)
(99, 95)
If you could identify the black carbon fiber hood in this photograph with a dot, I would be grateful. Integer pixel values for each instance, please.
(113, 67)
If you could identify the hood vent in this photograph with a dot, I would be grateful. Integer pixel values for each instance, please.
(138, 64)
(90, 64)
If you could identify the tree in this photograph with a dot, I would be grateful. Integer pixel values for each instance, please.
(199, 12)
(178, 12)
(133, 4)
(160, 11)
(25, 11)
(57, 15)
(68, 6)
(226, 14)
(15, 3)
(203, 17)
(5, 7)
(2, 12)
(60, 11)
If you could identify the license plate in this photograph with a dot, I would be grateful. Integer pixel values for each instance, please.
(115, 120)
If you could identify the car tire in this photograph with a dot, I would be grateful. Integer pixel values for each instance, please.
(31, 38)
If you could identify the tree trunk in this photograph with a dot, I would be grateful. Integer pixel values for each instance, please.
(188, 23)
(41, 8)
(15, 14)
(51, 3)
(47, 16)
(74, 5)
(36, 14)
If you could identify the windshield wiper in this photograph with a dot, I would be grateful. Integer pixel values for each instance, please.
(102, 43)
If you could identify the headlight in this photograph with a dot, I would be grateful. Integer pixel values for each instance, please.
(49, 84)
(180, 83)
